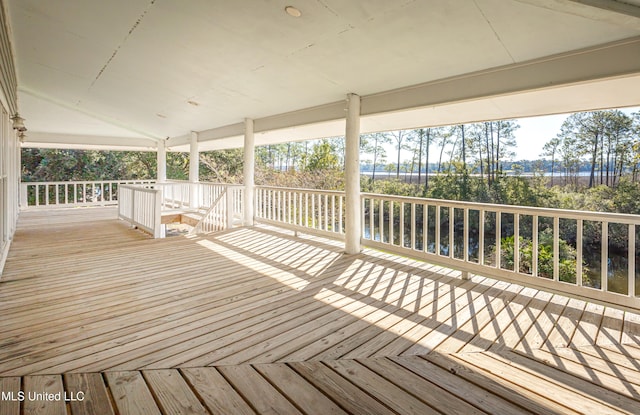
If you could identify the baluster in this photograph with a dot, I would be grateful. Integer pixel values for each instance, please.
(340, 213)
(333, 212)
(425, 227)
(381, 220)
(438, 230)
(481, 218)
(534, 246)
(313, 210)
(451, 231)
(604, 259)
(413, 225)
(306, 209)
(498, 239)
(631, 260)
(371, 227)
(579, 253)
(516, 242)
(465, 235)
(390, 222)
(402, 224)
(556, 248)
(326, 212)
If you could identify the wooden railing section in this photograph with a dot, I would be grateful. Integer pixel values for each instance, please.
(225, 207)
(593, 255)
(72, 193)
(589, 254)
(218, 206)
(141, 206)
(318, 212)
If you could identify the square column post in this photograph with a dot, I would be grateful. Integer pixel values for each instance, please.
(249, 172)
(353, 221)
(194, 171)
(161, 161)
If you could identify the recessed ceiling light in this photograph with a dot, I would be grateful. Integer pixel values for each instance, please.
(292, 11)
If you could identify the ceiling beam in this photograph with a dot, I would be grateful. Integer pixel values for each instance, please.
(604, 62)
(77, 109)
(85, 142)
(612, 11)
(612, 6)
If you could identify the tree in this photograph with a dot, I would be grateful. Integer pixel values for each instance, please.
(322, 157)
(550, 149)
(399, 137)
(374, 144)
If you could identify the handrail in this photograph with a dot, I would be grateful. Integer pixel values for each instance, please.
(532, 210)
(207, 214)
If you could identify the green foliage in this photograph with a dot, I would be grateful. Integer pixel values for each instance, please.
(221, 166)
(567, 256)
(394, 187)
(322, 157)
(65, 165)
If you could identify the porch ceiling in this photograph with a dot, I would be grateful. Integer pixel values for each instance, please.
(128, 70)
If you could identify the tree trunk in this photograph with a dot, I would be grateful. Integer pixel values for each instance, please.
(375, 159)
(594, 158)
(426, 162)
(421, 135)
(464, 150)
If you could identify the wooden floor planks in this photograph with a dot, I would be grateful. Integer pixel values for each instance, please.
(253, 320)
(458, 383)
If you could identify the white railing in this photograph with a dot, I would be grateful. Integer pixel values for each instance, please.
(225, 207)
(218, 205)
(590, 254)
(313, 211)
(72, 193)
(176, 194)
(141, 206)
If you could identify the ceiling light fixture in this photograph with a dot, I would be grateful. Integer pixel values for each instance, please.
(292, 11)
(160, 115)
(194, 103)
(18, 123)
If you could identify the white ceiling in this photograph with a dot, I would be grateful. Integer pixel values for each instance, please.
(128, 68)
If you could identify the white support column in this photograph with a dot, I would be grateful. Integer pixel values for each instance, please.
(249, 172)
(162, 162)
(353, 230)
(194, 171)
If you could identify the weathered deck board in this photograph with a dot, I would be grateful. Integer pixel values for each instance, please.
(469, 383)
(89, 304)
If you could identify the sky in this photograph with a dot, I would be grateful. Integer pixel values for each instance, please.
(534, 132)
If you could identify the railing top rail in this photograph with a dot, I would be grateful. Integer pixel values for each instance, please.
(139, 188)
(530, 210)
(88, 182)
(302, 190)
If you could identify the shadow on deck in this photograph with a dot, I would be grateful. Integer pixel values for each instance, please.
(257, 320)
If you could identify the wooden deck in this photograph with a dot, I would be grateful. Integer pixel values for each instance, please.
(257, 320)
